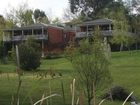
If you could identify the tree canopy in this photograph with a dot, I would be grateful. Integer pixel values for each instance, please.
(91, 61)
(20, 16)
(40, 16)
(89, 8)
(2, 25)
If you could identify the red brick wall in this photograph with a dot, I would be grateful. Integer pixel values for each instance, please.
(55, 35)
(55, 41)
(69, 36)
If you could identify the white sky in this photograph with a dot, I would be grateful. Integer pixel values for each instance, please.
(53, 8)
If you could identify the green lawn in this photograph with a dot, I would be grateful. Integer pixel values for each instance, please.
(124, 69)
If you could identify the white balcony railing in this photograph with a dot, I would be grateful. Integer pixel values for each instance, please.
(87, 34)
(24, 37)
(7, 38)
(107, 33)
(16, 38)
(37, 37)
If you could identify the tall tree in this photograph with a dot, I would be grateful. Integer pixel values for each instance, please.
(68, 15)
(2, 25)
(114, 7)
(91, 61)
(27, 17)
(20, 16)
(56, 21)
(89, 8)
(133, 5)
(40, 16)
(121, 35)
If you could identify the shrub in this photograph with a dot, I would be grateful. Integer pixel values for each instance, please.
(118, 93)
(30, 55)
(91, 61)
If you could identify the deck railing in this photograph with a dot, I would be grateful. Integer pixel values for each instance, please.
(87, 34)
(7, 38)
(25, 37)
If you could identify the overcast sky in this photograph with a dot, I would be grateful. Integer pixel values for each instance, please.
(54, 8)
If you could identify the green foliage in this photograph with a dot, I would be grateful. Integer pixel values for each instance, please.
(133, 5)
(89, 8)
(40, 16)
(30, 55)
(121, 35)
(12, 55)
(70, 51)
(114, 10)
(2, 25)
(56, 21)
(20, 16)
(2, 53)
(27, 17)
(92, 65)
(85, 47)
(119, 38)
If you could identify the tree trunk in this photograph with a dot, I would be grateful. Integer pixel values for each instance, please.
(88, 93)
(129, 48)
(136, 46)
(94, 94)
(89, 97)
(89, 101)
(121, 47)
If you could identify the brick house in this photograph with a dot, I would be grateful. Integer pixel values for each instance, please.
(54, 38)
(87, 28)
(50, 37)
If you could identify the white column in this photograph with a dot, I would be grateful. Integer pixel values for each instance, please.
(42, 31)
(12, 38)
(12, 34)
(32, 32)
(42, 48)
(17, 56)
(87, 30)
(22, 32)
(3, 37)
(110, 27)
(22, 35)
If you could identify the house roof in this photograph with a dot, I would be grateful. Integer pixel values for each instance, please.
(97, 22)
(34, 26)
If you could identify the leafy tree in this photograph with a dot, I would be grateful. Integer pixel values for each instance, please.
(133, 5)
(120, 25)
(119, 38)
(130, 40)
(56, 21)
(120, 33)
(21, 16)
(70, 51)
(92, 65)
(69, 16)
(2, 25)
(30, 55)
(89, 8)
(114, 7)
(27, 17)
(134, 22)
(40, 16)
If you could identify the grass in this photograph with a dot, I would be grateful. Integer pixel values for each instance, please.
(125, 70)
